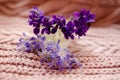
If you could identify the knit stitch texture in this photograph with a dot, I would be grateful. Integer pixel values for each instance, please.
(99, 52)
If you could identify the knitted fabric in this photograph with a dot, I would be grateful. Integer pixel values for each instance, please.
(98, 51)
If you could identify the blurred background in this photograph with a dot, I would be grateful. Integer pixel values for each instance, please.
(99, 50)
(107, 11)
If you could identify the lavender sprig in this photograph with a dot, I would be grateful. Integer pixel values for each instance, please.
(49, 52)
(78, 25)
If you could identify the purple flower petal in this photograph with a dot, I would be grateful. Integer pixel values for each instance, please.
(36, 30)
(76, 14)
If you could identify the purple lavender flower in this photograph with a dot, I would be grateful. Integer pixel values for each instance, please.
(59, 58)
(78, 25)
(84, 15)
(49, 52)
(35, 18)
(63, 60)
(47, 24)
(59, 20)
(82, 21)
(31, 44)
(68, 30)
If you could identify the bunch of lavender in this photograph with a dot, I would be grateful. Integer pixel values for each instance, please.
(49, 52)
(59, 29)
(77, 25)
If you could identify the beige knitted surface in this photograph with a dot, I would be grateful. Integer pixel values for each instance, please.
(99, 52)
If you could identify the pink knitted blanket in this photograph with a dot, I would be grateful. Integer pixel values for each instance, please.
(99, 52)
